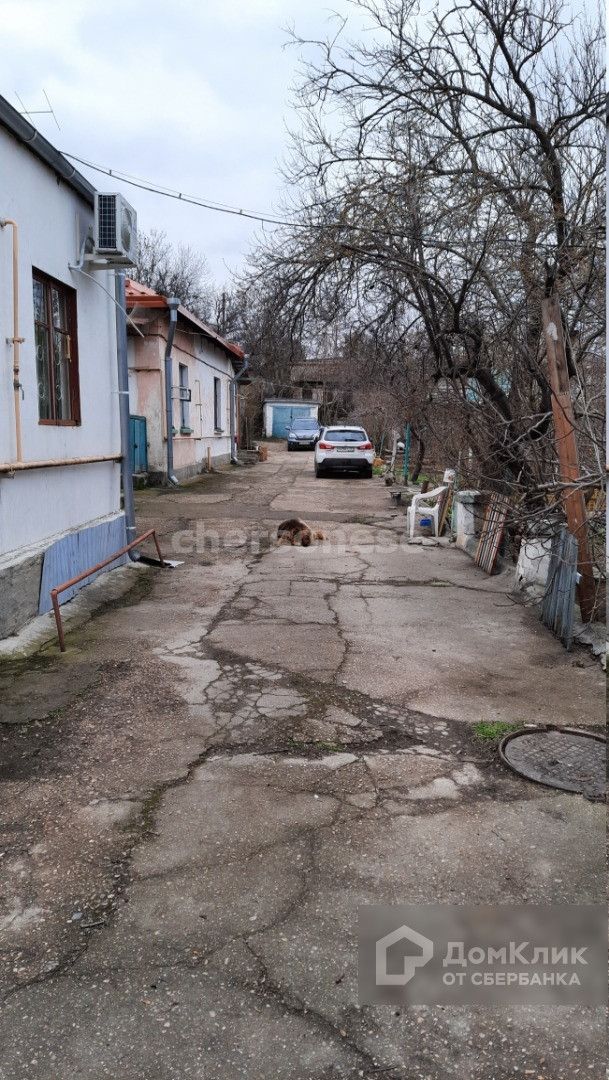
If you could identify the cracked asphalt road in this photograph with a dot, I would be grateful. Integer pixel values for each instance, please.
(242, 752)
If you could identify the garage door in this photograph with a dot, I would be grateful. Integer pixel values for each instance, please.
(283, 415)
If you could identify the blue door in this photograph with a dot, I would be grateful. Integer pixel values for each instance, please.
(283, 416)
(139, 443)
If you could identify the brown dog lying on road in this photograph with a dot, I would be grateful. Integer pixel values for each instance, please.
(294, 531)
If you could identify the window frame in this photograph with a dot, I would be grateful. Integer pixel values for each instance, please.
(218, 404)
(69, 297)
(184, 401)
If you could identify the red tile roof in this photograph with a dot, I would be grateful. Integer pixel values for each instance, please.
(138, 295)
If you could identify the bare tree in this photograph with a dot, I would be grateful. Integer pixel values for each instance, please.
(256, 317)
(447, 177)
(174, 271)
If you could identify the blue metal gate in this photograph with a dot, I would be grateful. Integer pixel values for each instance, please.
(283, 416)
(139, 443)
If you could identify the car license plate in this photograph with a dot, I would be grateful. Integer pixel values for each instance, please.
(347, 450)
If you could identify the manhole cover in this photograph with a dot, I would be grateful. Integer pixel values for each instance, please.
(558, 757)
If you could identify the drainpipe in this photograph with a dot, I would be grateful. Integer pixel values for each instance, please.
(15, 340)
(173, 305)
(233, 411)
(123, 399)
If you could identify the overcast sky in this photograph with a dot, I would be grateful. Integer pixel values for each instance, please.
(192, 94)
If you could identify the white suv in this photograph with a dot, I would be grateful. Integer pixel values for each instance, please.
(344, 447)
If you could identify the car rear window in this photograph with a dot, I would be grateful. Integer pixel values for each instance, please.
(347, 435)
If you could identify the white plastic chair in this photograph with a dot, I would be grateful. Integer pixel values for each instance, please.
(420, 508)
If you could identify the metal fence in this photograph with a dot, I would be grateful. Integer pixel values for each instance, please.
(558, 608)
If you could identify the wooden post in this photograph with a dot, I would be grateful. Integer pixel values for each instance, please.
(566, 446)
(394, 450)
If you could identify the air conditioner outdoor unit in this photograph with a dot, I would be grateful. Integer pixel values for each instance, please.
(115, 239)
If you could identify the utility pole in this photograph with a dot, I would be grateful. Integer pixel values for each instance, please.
(566, 447)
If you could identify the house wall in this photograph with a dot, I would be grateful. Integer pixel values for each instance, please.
(204, 362)
(40, 507)
(147, 394)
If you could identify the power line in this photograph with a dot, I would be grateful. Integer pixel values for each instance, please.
(271, 219)
(180, 196)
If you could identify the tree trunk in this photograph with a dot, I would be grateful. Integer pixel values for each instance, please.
(418, 461)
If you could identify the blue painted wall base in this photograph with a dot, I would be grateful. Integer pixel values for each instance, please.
(75, 552)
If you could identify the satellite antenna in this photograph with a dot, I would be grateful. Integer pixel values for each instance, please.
(39, 112)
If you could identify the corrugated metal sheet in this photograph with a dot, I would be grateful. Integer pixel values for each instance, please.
(558, 607)
(73, 553)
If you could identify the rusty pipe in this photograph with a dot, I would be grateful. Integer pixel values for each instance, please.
(55, 463)
(16, 340)
(93, 570)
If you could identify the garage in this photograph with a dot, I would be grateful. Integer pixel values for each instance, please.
(279, 413)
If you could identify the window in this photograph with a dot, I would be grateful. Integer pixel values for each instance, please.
(56, 351)
(184, 400)
(338, 435)
(217, 404)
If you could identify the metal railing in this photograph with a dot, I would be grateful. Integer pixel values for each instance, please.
(93, 570)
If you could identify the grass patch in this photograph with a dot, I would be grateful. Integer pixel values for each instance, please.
(492, 731)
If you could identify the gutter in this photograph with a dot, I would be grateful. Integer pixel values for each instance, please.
(233, 410)
(10, 467)
(16, 341)
(173, 304)
(27, 135)
(123, 406)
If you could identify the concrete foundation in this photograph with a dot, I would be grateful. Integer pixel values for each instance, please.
(26, 580)
(19, 592)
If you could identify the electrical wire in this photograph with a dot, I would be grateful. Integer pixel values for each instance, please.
(180, 196)
(272, 219)
(79, 270)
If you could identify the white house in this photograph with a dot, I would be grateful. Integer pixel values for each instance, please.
(60, 446)
(185, 371)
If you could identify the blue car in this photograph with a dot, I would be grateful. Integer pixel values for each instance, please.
(303, 433)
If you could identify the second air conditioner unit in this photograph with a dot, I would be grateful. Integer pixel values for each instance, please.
(115, 231)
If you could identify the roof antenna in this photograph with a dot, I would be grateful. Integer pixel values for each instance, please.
(39, 112)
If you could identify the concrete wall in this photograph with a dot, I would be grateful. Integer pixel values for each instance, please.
(533, 563)
(37, 507)
(469, 507)
(204, 362)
